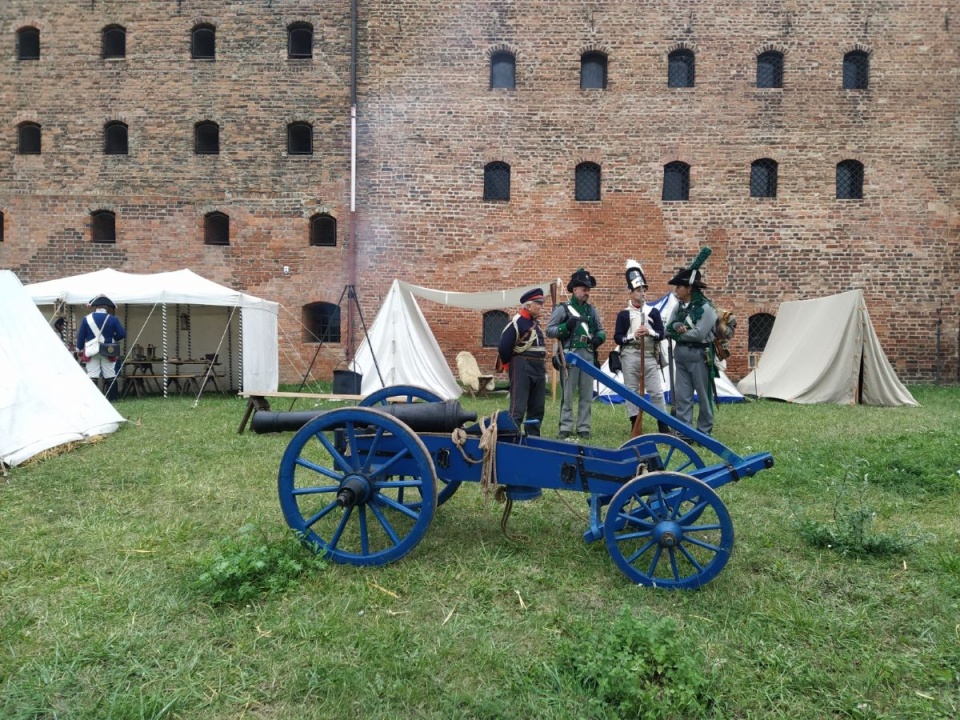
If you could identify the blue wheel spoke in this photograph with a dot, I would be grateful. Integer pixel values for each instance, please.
(633, 558)
(673, 563)
(654, 561)
(700, 528)
(315, 490)
(399, 507)
(364, 536)
(701, 543)
(691, 559)
(319, 469)
(372, 452)
(335, 538)
(695, 511)
(385, 524)
(338, 460)
(633, 535)
(320, 515)
(385, 468)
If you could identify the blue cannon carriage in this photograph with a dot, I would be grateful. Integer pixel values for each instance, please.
(362, 484)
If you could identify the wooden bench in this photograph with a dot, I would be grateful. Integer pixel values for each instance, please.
(260, 400)
(140, 382)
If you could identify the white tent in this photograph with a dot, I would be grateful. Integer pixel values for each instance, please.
(46, 398)
(183, 315)
(826, 351)
(406, 351)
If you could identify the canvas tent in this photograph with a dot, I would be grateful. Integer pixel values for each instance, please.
(826, 351)
(183, 315)
(46, 400)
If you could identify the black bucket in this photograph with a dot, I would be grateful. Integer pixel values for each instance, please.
(346, 382)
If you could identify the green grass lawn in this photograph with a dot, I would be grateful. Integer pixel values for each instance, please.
(151, 575)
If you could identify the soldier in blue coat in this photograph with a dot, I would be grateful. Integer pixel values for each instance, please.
(523, 353)
(103, 323)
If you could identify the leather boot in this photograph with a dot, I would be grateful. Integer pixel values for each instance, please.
(633, 419)
(662, 427)
(113, 388)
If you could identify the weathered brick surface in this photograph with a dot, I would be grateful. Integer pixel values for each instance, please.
(428, 123)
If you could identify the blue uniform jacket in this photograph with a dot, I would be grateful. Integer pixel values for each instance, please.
(110, 326)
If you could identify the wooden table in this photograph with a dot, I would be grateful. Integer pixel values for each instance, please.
(142, 378)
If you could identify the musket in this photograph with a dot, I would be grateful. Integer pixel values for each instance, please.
(673, 388)
(641, 386)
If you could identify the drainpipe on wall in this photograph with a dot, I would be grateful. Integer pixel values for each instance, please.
(352, 252)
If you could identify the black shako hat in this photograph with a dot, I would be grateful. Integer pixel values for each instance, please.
(535, 295)
(102, 301)
(693, 275)
(635, 276)
(581, 278)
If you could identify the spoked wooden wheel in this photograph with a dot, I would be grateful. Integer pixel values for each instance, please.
(358, 485)
(675, 454)
(668, 530)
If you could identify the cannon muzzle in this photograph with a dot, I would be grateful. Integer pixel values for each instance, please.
(421, 417)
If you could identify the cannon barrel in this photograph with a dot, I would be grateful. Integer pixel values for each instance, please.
(421, 417)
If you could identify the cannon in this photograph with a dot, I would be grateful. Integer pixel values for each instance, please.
(361, 485)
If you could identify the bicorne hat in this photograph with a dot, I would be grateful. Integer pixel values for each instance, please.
(535, 295)
(635, 277)
(102, 301)
(581, 278)
(693, 275)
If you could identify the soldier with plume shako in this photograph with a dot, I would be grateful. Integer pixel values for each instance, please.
(691, 326)
(522, 352)
(638, 332)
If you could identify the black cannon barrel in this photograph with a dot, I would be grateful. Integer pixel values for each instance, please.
(421, 417)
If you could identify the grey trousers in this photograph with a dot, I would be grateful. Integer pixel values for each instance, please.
(692, 373)
(652, 381)
(578, 382)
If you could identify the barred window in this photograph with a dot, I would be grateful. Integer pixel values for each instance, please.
(28, 138)
(676, 181)
(770, 70)
(496, 181)
(856, 66)
(763, 178)
(849, 180)
(115, 138)
(113, 42)
(758, 331)
(28, 43)
(300, 138)
(203, 42)
(494, 321)
(206, 138)
(103, 226)
(216, 229)
(503, 70)
(680, 69)
(593, 71)
(587, 182)
(321, 322)
(300, 40)
(323, 230)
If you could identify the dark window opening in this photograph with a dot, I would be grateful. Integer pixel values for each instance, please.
(680, 69)
(496, 181)
(103, 227)
(115, 139)
(587, 183)
(114, 42)
(300, 40)
(758, 331)
(763, 178)
(849, 180)
(770, 70)
(856, 67)
(216, 229)
(676, 181)
(323, 231)
(207, 138)
(503, 70)
(28, 44)
(494, 322)
(300, 138)
(593, 71)
(28, 138)
(203, 43)
(1, 226)
(321, 322)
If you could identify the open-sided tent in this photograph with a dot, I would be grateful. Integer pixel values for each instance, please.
(46, 399)
(183, 315)
(826, 351)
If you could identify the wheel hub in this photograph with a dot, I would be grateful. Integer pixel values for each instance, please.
(667, 534)
(354, 490)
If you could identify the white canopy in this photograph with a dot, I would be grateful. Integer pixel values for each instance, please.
(826, 351)
(45, 397)
(212, 331)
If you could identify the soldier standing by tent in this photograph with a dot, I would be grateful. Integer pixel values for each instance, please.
(103, 325)
(692, 327)
(523, 352)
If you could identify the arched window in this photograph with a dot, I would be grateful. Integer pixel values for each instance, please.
(676, 181)
(300, 40)
(770, 70)
(323, 230)
(115, 138)
(299, 138)
(496, 181)
(856, 70)
(216, 229)
(680, 69)
(103, 226)
(28, 138)
(758, 331)
(587, 182)
(114, 42)
(849, 180)
(28, 43)
(203, 42)
(321, 322)
(206, 137)
(503, 70)
(494, 321)
(763, 178)
(593, 71)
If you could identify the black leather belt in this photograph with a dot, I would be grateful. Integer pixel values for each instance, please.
(699, 346)
(533, 356)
